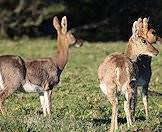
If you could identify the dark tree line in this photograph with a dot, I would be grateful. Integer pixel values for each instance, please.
(25, 16)
(96, 20)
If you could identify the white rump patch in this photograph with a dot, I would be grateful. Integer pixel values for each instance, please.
(29, 87)
(103, 88)
(1, 83)
(117, 71)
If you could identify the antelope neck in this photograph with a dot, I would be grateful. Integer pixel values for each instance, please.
(130, 52)
(62, 55)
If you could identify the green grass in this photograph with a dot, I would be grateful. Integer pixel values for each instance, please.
(78, 104)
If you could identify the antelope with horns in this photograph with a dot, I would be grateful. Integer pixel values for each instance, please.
(12, 76)
(43, 74)
(144, 61)
(119, 73)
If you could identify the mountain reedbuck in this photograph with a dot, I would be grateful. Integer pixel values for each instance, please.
(144, 61)
(119, 73)
(12, 76)
(43, 74)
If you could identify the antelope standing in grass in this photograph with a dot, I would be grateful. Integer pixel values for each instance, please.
(43, 74)
(144, 61)
(12, 76)
(119, 73)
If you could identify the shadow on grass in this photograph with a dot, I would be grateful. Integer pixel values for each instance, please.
(154, 93)
(100, 121)
(140, 118)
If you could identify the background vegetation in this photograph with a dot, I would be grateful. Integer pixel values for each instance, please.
(78, 103)
(93, 20)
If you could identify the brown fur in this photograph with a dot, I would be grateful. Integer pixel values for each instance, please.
(43, 72)
(38, 75)
(113, 61)
(46, 72)
(13, 71)
(119, 73)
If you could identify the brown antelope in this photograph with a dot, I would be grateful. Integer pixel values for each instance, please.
(43, 74)
(119, 73)
(144, 61)
(12, 76)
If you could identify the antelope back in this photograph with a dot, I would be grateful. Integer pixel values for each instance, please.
(65, 37)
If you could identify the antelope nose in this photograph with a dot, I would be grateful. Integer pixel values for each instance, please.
(79, 43)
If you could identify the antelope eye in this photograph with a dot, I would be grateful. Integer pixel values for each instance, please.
(71, 34)
(154, 33)
(144, 41)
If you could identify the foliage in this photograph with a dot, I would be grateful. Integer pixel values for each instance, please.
(24, 17)
(93, 20)
(78, 103)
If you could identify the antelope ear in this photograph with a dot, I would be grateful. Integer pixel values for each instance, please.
(140, 23)
(64, 24)
(145, 25)
(140, 26)
(135, 29)
(56, 24)
(139, 19)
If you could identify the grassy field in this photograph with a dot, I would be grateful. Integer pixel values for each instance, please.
(78, 104)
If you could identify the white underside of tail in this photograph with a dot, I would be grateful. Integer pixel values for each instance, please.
(117, 71)
(103, 88)
(1, 83)
(29, 87)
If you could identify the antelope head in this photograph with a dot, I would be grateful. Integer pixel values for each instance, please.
(139, 45)
(146, 31)
(65, 37)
